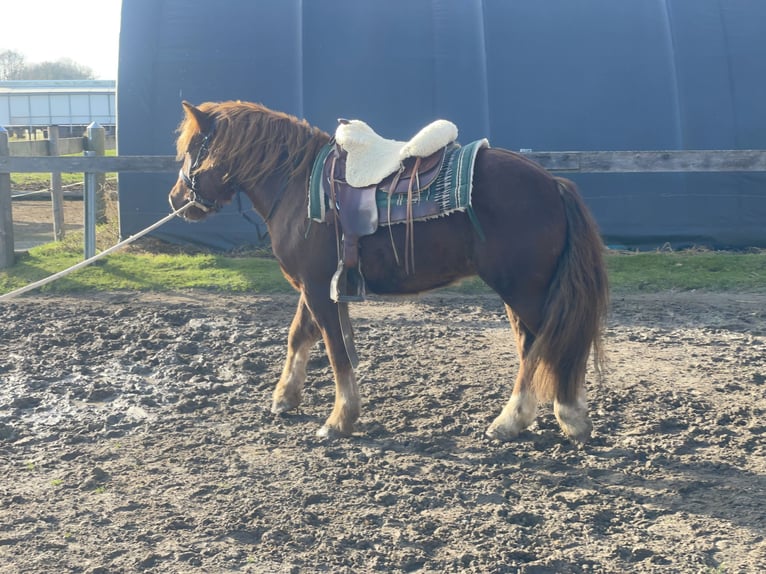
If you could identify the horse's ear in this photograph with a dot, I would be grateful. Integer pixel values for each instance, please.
(203, 120)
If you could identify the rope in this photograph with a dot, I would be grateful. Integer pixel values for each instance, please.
(96, 257)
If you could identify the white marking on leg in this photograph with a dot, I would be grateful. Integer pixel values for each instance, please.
(573, 417)
(347, 406)
(518, 414)
(289, 390)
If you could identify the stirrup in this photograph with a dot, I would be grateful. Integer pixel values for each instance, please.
(347, 285)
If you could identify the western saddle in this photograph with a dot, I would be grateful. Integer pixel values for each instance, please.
(361, 164)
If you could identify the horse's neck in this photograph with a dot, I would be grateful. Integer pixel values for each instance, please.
(284, 192)
(271, 172)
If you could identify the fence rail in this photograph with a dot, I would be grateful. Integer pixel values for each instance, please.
(93, 144)
(97, 164)
(652, 161)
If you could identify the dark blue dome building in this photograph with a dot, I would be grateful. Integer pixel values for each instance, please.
(549, 75)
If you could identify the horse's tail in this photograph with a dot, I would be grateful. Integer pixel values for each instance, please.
(575, 309)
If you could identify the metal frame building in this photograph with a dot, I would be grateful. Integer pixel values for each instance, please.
(38, 104)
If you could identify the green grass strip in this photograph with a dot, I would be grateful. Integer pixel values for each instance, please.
(146, 272)
(688, 270)
(628, 272)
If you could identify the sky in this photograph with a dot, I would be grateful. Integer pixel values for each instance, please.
(86, 31)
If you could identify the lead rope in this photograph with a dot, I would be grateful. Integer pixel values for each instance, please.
(96, 257)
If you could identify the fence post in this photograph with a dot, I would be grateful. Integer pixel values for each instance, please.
(6, 208)
(96, 136)
(57, 193)
(89, 210)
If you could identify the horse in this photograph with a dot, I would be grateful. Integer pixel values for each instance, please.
(538, 247)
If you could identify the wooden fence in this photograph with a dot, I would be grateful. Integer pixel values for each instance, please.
(47, 147)
(571, 162)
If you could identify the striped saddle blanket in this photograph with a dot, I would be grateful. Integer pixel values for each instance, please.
(447, 192)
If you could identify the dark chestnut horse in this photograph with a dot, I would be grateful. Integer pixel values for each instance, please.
(541, 252)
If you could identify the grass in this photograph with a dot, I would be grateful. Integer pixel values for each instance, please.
(688, 270)
(143, 271)
(32, 180)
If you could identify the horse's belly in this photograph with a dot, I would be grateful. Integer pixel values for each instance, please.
(441, 248)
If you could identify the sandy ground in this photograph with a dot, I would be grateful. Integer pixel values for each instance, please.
(135, 436)
(33, 221)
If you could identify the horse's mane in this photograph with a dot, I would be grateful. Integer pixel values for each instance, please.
(254, 142)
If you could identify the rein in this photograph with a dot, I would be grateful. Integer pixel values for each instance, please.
(280, 194)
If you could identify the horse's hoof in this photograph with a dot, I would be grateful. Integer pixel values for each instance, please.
(282, 406)
(574, 421)
(578, 433)
(329, 432)
(500, 433)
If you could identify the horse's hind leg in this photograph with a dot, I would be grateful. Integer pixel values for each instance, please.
(521, 409)
(572, 415)
(304, 333)
(570, 403)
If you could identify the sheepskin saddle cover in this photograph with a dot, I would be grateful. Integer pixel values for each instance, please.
(371, 158)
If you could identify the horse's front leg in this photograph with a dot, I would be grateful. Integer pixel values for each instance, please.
(304, 333)
(345, 412)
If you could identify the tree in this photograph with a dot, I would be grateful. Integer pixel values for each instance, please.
(63, 69)
(12, 65)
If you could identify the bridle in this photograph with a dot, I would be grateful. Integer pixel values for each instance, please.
(190, 179)
(200, 202)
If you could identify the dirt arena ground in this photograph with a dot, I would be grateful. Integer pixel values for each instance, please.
(33, 215)
(33, 221)
(135, 436)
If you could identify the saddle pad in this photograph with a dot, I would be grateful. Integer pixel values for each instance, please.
(450, 192)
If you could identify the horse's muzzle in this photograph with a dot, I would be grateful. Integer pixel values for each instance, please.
(178, 200)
